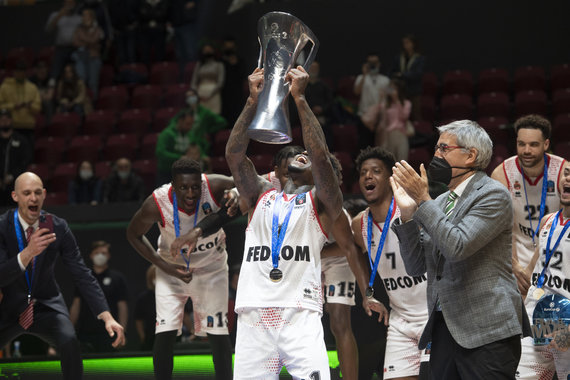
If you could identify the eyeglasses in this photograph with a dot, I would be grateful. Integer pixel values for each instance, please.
(444, 148)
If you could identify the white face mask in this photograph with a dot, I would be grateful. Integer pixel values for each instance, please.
(85, 174)
(100, 259)
(123, 174)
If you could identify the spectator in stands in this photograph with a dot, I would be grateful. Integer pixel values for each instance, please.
(123, 184)
(42, 81)
(184, 19)
(195, 152)
(15, 155)
(233, 95)
(90, 332)
(87, 39)
(152, 18)
(191, 125)
(124, 23)
(86, 187)
(390, 122)
(145, 312)
(63, 24)
(320, 98)
(22, 98)
(71, 93)
(409, 66)
(208, 79)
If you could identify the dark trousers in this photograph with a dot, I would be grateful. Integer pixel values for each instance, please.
(56, 329)
(450, 361)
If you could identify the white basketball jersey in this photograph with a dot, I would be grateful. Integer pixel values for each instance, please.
(407, 293)
(299, 257)
(271, 177)
(522, 230)
(557, 274)
(209, 249)
(329, 262)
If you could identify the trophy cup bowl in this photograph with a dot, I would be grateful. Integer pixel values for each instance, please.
(282, 39)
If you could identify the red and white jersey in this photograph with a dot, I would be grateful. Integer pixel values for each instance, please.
(271, 177)
(209, 249)
(407, 293)
(557, 275)
(522, 230)
(299, 257)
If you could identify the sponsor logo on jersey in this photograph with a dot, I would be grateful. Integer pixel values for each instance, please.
(403, 282)
(517, 187)
(301, 199)
(210, 321)
(331, 290)
(203, 247)
(207, 208)
(553, 282)
(263, 253)
(550, 187)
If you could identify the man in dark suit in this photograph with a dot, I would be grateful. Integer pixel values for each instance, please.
(32, 302)
(463, 240)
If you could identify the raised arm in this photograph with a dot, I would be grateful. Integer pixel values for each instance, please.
(247, 181)
(326, 182)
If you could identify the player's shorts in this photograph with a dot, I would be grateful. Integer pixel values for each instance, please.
(269, 338)
(339, 283)
(540, 362)
(209, 293)
(403, 356)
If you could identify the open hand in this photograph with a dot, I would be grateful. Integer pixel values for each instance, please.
(415, 185)
(372, 304)
(189, 239)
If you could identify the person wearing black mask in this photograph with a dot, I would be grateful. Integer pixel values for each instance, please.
(15, 155)
(463, 240)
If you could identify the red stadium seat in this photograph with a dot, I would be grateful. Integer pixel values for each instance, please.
(113, 98)
(164, 73)
(529, 78)
(121, 145)
(175, 95)
(345, 88)
(345, 137)
(42, 170)
(419, 156)
(530, 102)
(188, 71)
(457, 107)
(147, 170)
(493, 104)
(99, 123)
(561, 101)
(135, 67)
(107, 76)
(458, 82)
(256, 147)
(103, 168)
(148, 146)
(263, 163)
(19, 54)
(220, 141)
(55, 198)
(64, 125)
(134, 121)
(146, 96)
(429, 84)
(162, 117)
(560, 77)
(62, 174)
(46, 54)
(297, 135)
(493, 80)
(428, 108)
(220, 166)
(347, 165)
(49, 150)
(84, 148)
(562, 149)
(561, 130)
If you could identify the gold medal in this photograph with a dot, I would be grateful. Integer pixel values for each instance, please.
(538, 293)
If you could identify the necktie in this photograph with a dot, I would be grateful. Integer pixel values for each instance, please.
(450, 204)
(27, 317)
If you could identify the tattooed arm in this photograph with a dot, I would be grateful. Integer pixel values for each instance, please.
(327, 188)
(248, 183)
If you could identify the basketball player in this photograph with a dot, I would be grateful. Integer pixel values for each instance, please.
(374, 236)
(200, 273)
(279, 295)
(541, 362)
(533, 179)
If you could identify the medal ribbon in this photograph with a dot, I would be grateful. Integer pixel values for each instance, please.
(21, 246)
(549, 251)
(177, 224)
(278, 232)
(374, 265)
(542, 198)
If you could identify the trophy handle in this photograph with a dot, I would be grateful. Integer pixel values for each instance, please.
(312, 53)
(260, 58)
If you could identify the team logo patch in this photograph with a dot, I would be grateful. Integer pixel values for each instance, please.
(301, 199)
(550, 186)
(517, 185)
(210, 321)
(207, 208)
(331, 290)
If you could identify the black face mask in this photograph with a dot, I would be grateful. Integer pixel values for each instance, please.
(439, 170)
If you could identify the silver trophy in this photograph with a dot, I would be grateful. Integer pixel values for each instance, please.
(282, 40)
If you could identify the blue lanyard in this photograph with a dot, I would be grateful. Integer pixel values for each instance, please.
(278, 232)
(21, 246)
(550, 251)
(542, 198)
(177, 224)
(381, 244)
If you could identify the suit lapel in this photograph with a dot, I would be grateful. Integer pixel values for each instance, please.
(463, 201)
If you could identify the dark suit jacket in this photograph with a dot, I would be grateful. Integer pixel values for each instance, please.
(44, 286)
(468, 262)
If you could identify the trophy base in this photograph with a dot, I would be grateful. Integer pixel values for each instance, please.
(269, 136)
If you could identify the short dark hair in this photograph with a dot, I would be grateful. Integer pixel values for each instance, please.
(375, 152)
(285, 153)
(534, 122)
(185, 165)
(100, 243)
